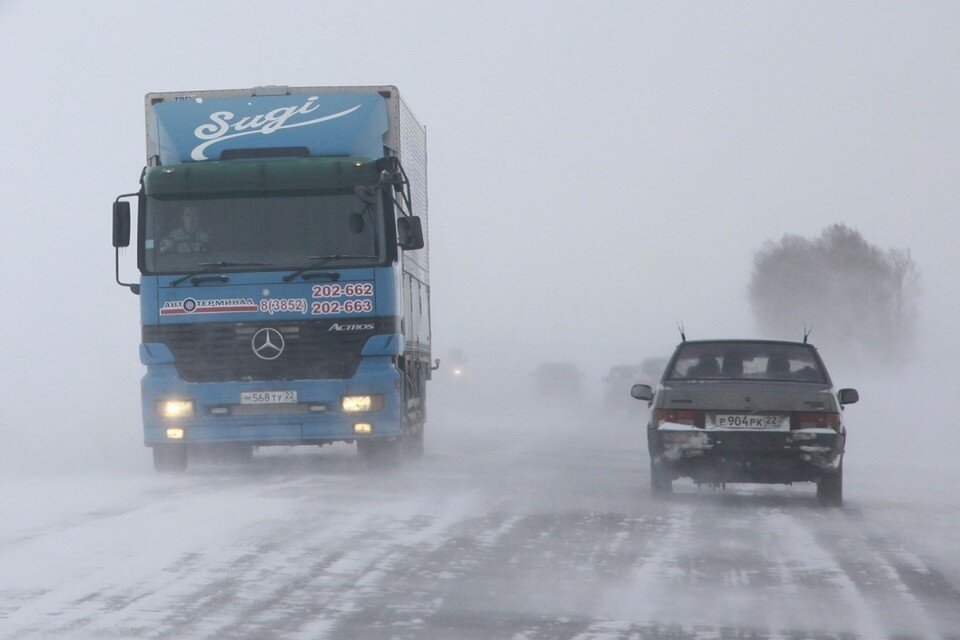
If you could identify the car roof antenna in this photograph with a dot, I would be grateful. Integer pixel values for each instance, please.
(806, 332)
(683, 336)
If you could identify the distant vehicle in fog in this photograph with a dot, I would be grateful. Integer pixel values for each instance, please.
(619, 380)
(651, 369)
(558, 380)
(747, 411)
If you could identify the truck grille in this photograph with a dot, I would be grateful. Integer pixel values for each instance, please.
(219, 352)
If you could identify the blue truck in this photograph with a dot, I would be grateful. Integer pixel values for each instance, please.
(281, 240)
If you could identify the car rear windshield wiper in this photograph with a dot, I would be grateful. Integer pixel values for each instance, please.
(210, 267)
(322, 260)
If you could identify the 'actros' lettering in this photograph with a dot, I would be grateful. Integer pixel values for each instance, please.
(350, 327)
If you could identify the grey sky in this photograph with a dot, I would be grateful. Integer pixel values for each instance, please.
(598, 171)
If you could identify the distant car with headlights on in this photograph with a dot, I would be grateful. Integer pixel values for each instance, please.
(763, 411)
(457, 364)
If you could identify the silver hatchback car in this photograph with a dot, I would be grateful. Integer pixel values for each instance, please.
(747, 411)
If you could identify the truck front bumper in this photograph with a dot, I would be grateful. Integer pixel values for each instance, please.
(317, 416)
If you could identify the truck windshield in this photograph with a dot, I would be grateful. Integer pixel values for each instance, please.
(266, 233)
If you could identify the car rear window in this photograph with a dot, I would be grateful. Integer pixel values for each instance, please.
(747, 361)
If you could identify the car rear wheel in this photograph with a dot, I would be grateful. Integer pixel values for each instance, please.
(661, 482)
(830, 488)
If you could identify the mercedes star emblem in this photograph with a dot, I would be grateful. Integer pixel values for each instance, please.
(267, 344)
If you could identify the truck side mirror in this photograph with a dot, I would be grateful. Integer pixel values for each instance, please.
(409, 233)
(848, 396)
(121, 224)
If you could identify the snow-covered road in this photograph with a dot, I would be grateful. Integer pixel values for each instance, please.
(532, 527)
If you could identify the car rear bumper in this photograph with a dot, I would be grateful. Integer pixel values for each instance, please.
(716, 456)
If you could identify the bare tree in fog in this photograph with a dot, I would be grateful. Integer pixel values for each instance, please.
(861, 299)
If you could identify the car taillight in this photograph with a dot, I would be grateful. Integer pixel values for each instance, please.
(679, 416)
(814, 420)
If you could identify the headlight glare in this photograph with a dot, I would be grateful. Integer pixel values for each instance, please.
(176, 408)
(354, 404)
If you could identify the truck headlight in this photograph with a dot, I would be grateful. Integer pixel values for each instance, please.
(363, 428)
(354, 404)
(176, 408)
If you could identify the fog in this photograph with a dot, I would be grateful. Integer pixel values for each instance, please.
(598, 173)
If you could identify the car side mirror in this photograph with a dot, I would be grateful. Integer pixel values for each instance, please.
(642, 392)
(848, 396)
(121, 224)
(409, 233)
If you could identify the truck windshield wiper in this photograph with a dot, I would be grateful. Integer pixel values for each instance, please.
(210, 267)
(322, 260)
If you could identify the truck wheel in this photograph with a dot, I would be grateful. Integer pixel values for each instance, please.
(379, 454)
(170, 458)
(365, 449)
(241, 454)
(246, 456)
(830, 488)
(661, 482)
(413, 445)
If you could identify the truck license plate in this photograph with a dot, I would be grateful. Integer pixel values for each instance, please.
(268, 397)
(737, 421)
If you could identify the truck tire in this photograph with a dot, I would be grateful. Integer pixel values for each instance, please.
(170, 458)
(830, 488)
(661, 482)
(379, 454)
(365, 449)
(413, 444)
(240, 454)
(246, 454)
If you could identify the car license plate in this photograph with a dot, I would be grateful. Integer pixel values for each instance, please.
(740, 421)
(268, 397)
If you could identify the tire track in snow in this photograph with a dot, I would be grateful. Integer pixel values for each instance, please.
(294, 595)
(502, 576)
(226, 572)
(767, 567)
(888, 576)
(811, 557)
